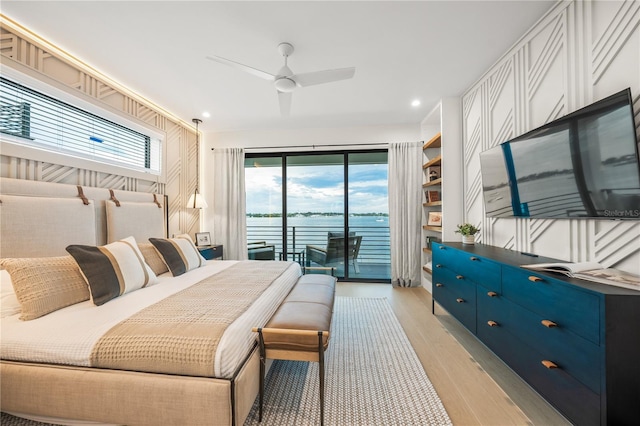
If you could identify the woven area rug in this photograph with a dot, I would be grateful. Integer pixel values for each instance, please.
(373, 377)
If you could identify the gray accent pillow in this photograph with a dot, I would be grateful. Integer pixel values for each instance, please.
(112, 270)
(179, 253)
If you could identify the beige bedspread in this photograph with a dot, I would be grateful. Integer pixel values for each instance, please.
(180, 334)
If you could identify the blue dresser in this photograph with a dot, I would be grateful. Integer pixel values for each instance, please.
(576, 343)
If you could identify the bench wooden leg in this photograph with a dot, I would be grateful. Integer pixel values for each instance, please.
(263, 359)
(321, 362)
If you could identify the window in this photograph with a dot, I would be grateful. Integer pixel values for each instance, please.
(36, 119)
(304, 204)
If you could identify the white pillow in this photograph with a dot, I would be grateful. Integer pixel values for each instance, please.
(9, 304)
(113, 269)
(179, 253)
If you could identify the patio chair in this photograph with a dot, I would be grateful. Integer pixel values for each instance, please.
(334, 251)
(260, 250)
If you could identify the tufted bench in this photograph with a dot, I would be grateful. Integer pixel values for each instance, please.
(299, 330)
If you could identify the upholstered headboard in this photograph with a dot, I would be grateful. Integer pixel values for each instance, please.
(43, 218)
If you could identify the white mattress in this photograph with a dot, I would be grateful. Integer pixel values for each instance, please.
(67, 336)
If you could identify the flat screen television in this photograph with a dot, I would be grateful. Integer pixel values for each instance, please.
(583, 165)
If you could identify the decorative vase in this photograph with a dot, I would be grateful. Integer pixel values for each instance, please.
(468, 239)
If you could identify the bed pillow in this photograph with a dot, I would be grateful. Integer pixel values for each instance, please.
(139, 220)
(178, 253)
(45, 284)
(112, 270)
(153, 258)
(9, 304)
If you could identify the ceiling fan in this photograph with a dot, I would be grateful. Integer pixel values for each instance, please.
(285, 81)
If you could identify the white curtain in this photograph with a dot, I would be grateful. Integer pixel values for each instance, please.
(229, 204)
(405, 212)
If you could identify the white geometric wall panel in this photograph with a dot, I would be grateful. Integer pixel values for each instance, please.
(578, 53)
(23, 50)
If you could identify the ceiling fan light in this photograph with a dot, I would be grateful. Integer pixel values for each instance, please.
(285, 85)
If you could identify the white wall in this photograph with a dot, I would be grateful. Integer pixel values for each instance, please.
(311, 139)
(314, 136)
(578, 53)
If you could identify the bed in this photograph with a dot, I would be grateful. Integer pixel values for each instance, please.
(166, 340)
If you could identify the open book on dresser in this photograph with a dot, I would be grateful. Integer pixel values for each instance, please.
(590, 271)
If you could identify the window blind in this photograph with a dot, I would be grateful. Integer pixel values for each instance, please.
(39, 120)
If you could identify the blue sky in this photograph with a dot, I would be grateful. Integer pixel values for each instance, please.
(318, 189)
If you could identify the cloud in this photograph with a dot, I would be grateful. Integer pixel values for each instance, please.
(317, 189)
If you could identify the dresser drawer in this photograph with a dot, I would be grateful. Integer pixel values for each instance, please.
(577, 310)
(475, 268)
(572, 398)
(577, 356)
(456, 295)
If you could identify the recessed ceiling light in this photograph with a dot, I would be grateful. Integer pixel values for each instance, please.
(415, 103)
(206, 114)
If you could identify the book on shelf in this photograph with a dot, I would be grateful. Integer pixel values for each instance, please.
(433, 196)
(430, 239)
(590, 271)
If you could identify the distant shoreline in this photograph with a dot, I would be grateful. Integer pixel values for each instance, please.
(314, 214)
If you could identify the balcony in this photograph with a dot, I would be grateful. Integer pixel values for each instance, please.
(374, 256)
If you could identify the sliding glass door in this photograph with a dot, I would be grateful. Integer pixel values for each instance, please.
(315, 212)
(369, 213)
(327, 211)
(263, 183)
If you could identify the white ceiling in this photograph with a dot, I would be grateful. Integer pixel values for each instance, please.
(401, 50)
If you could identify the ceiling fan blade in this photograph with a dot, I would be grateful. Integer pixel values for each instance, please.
(250, 70)
(284, 98)
(320, 77)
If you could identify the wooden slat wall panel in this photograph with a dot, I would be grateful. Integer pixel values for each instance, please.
(180, 142)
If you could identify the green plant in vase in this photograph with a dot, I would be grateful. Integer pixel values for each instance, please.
(468, 232)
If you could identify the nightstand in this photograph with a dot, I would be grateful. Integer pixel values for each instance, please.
(211, 252)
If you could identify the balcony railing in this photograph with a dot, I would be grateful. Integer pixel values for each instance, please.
(374, 248)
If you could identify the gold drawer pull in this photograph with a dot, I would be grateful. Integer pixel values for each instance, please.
(459, 300)
(492, 323)
(438, 265)
(473, 258)
(549, 324)
(439, 285)
(549, 364)
(492, 294)
(459, 277)
(535, 279)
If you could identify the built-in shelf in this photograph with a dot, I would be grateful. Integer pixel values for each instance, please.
(434, 142)
(435, 161)
(433, 155)
(432, 183)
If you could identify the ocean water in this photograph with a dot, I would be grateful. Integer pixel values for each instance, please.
(558, 195)
(313, 230)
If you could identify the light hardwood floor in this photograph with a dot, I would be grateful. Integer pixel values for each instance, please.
(475, 387)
